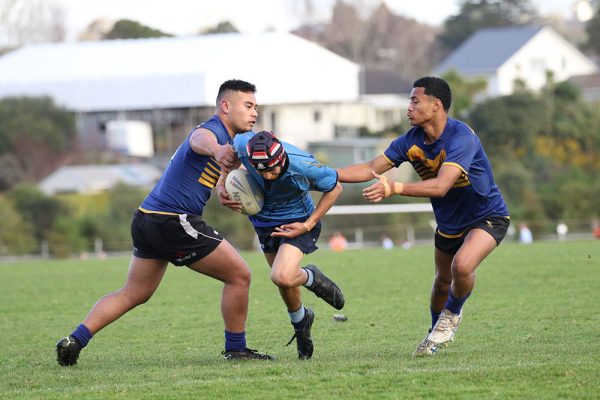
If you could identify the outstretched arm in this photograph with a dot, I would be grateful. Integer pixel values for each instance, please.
(297, 228)
(435, 187)
(363, 172)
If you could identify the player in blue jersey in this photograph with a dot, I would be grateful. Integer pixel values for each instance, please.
(288, 225)
(168, 227)
(456, 174)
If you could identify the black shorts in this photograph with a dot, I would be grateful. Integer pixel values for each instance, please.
(305, 242)
(495, 226)
(182, 239)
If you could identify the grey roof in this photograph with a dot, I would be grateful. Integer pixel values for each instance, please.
(95, 178)
(383, 81)
(487, 49)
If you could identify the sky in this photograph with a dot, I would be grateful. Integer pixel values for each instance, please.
(185, 17)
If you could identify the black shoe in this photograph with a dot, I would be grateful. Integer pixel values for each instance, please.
(245, 354)
(302, 336)
(67, 351)
(325, 288)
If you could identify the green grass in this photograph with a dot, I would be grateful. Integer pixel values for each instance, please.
(530, 330)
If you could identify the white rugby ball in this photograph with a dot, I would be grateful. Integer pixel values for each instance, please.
(243, 188)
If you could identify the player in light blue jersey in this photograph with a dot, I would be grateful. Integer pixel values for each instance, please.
(456, 174)
(168, 227)
(288, 225)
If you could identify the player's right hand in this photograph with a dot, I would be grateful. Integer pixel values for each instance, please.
(226, 158)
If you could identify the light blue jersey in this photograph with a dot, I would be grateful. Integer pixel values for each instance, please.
(287, 198)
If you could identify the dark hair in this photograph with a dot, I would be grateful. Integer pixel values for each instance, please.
(235, 85)
(436, 87)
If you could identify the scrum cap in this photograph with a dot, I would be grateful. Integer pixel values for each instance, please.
(265, 151)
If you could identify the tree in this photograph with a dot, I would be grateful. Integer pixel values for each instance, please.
(545, 148)
(30, 21)
(11, 171)
(221, 27)
(37, 209)
(592, 29)
(37, 133)
(15, 233)
(376, 39)
(463, 92)
(123, 200)
(478, 14)
(128, 29)
(509, 125)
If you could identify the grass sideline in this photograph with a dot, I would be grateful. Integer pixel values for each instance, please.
(530, 330)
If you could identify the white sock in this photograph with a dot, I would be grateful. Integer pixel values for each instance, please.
(298, 315)
(310, 279)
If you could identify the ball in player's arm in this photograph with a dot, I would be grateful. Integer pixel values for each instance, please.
(471, 215)
(288, 225)
(168, 227)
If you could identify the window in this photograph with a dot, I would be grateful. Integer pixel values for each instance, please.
(317, 115)
(537, 65)
(274, 121)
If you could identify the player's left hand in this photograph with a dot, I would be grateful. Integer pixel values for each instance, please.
(377, 191)
(290, 230)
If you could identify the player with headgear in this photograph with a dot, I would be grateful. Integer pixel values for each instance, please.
(288, 225)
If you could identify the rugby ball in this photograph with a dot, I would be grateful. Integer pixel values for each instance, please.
(243, 188)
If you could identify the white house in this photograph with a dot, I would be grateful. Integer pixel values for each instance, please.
(304, 91)
(526, 53)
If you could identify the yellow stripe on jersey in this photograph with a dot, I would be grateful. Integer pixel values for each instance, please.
(457, 166)
(388, 160)
(208, 180)
(463, 179)
(211, 173)
(213, 167)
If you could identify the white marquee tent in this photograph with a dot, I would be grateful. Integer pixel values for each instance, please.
(178, 72)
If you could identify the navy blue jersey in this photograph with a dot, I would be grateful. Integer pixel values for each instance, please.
(287, 198)
(186, 184)
(474, 195)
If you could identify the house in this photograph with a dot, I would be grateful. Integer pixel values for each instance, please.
(528, 54)
(305, 92)
(387, 96)
(88, 179)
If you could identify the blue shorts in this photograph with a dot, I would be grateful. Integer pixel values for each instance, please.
(305, 242)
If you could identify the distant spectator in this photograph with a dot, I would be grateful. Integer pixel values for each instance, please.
(386, 242)
(562, 229)
(596, 230)
(525, 236)
(338, 242)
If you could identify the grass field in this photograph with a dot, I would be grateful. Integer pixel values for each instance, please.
(530, 330)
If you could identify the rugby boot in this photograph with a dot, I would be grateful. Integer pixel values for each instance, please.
(325, 288)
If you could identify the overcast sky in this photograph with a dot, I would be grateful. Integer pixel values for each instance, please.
(183, 17)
